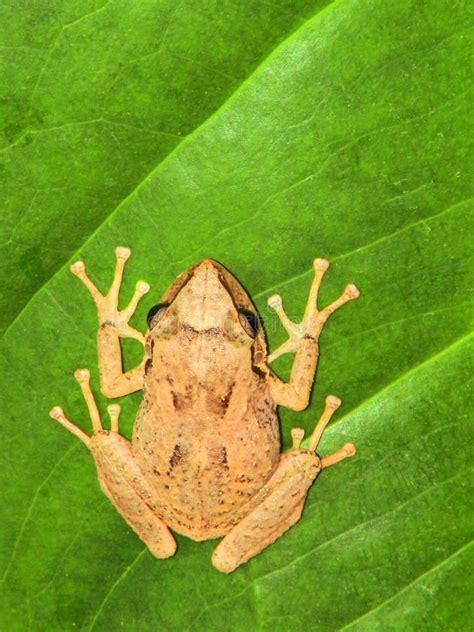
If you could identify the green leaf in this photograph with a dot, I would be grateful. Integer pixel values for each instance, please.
(312, 129)
(96, 94)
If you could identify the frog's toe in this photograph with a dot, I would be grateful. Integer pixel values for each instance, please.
(347, 450)
(122, 252)
(352, 291)
(78, 268)
(57, 414)
(321, 264)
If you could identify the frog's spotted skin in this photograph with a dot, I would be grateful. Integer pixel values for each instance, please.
(205, 458)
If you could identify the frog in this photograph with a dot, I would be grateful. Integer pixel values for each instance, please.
(205, 458)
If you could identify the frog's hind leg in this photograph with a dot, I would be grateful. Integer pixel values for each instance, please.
(280, 502)
(119, 475)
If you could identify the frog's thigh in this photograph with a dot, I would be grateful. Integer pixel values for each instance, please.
(122, 481)
(281, 506)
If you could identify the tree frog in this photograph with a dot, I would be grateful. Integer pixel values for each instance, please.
(204, 459)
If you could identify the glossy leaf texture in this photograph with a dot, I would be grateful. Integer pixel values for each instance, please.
(95, 94)
(312, 129)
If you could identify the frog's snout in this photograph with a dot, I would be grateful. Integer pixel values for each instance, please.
(206, 263)
(204, 302)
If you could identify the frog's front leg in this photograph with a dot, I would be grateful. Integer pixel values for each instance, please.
(280, 502)
(113, 325)
(119, 475)
(303, 341)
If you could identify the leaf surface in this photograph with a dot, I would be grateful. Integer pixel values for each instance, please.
(349, 141)
(96, 94)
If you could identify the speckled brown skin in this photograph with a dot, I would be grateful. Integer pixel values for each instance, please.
(276, 507)
(116, 469)
(205, 458)
(206, 436)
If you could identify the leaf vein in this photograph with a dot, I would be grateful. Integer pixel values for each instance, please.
(119, 579)
(32, 504)
(426, 573)
(360, 525)
(266, 61)
(458, 342)
(283, 43)
(366, 246)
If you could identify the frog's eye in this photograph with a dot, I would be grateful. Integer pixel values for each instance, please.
(249, 321)
(155, 314)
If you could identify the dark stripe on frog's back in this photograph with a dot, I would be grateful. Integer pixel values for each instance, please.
(178, 455)
(215, 404)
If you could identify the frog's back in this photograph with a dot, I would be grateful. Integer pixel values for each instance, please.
(206, 436)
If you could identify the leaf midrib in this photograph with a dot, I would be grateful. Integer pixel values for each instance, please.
(226, 103)
(186, 139)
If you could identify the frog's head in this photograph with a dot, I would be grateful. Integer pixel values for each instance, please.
(207, 298)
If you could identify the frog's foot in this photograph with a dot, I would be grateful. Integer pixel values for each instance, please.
(347, 450)
(119, 475)
(280, 502)
(313, 320)
(107, 305)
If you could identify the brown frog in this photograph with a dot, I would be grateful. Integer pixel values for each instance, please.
(204, 459)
